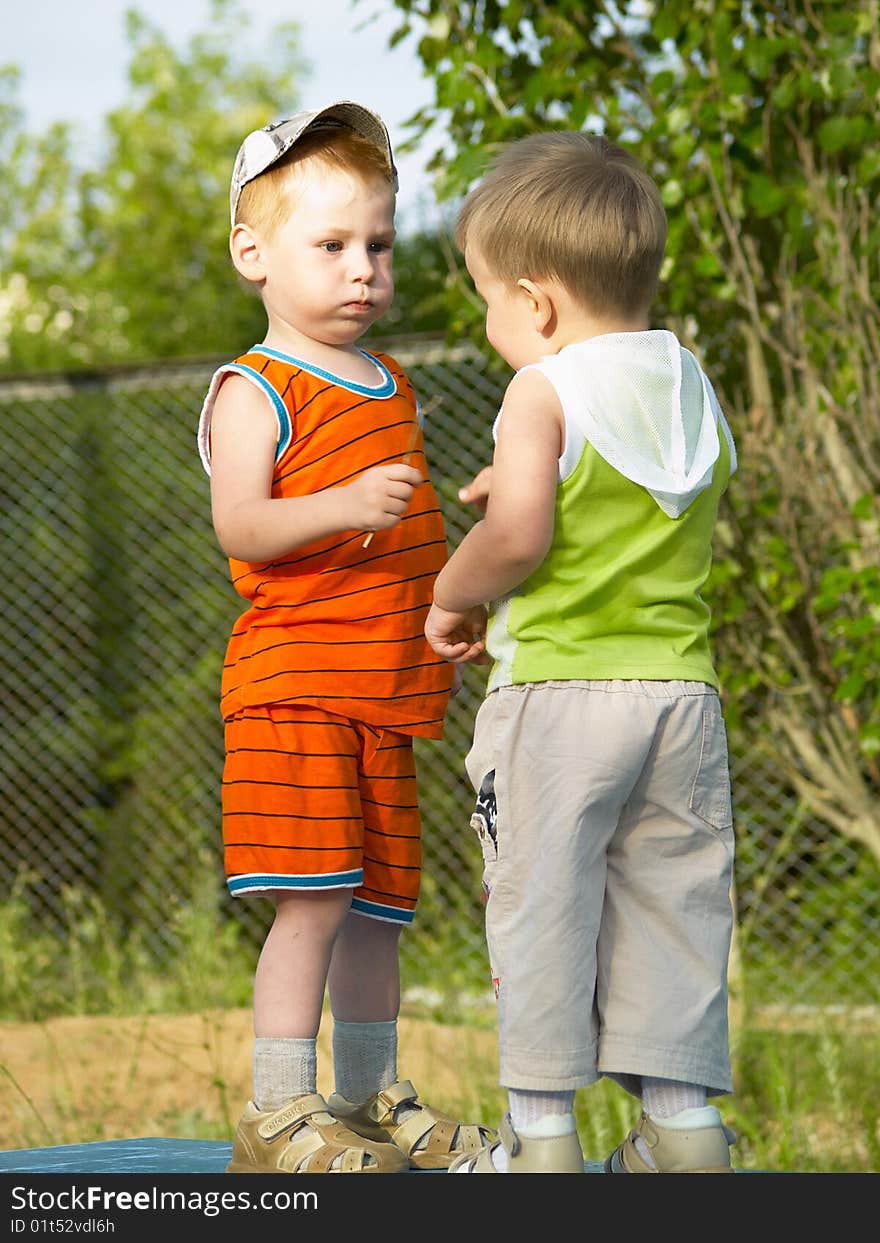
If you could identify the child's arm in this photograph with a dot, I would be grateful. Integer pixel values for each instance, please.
(251, 524)
(511, 541)
(461, 637)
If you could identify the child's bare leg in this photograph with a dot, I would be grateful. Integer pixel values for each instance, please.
(365, 999)
(365, 971)
(289, 987)
(291, 975)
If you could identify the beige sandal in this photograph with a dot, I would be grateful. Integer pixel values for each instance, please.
(303, 1137)
(703, 1150)
(428, 1139)
(552, 1154)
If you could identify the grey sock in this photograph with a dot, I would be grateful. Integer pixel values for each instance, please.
(364, 1058)
(283, 1068)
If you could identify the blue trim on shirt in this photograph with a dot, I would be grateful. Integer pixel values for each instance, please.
(285, 428)
(386, 389)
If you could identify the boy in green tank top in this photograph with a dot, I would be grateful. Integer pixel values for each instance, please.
(599, 756)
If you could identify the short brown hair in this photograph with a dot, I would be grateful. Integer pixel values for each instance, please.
(263, 203)
(572, 207)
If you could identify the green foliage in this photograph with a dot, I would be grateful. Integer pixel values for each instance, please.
(827, 939)
(128, 259)
(711, 97)
(97, 966)
(802, 1102)
(856, 657)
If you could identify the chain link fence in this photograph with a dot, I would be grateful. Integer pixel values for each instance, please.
(117, 607)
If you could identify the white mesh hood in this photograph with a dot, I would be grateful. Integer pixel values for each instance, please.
(644, 404)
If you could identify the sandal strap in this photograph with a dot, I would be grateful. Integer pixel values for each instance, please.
(508, 1136)
(427, 1137)
(476, 1162)
(293, 1115)
(629, 1157)
(323, 1157)
(411, 1130)
(443, 1135)
(316, 1141)
(388, 1099)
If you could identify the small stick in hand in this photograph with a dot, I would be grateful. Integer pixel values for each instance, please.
(413, 441)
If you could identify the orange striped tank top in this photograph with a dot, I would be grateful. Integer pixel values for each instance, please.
(333, 623)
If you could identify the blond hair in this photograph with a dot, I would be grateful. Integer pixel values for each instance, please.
(264, 203)
(572, 207)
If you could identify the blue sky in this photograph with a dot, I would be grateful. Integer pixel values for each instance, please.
(74, 58)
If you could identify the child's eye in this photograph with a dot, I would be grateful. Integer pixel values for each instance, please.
(378, 247)
(333, 247)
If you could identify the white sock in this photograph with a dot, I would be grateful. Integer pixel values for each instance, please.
(364, 1058)
(537, 1115)
(283, 1069)
(661, 1098)
(693, 1119)
(533, 1112)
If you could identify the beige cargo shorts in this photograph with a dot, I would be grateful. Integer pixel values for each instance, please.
(604, 817)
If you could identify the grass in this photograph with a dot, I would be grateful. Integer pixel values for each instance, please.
(807, 1085)
(89, 966)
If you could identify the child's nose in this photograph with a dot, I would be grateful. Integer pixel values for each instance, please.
(362, 266)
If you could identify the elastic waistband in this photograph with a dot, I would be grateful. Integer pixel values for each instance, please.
(643, 687)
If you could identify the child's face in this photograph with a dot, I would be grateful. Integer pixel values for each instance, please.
(510, 325)
(328, 267)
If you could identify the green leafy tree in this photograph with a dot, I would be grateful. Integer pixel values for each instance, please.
(38, 234)
(759, 121)
(128, 260)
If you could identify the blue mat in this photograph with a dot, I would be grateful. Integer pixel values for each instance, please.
(122, 1156)
(138, 1156)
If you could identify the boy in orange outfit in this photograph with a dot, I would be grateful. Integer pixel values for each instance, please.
(310, 442)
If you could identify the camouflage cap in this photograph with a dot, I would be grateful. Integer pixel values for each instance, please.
(262, 148)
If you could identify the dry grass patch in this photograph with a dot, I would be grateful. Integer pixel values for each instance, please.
(84, 1079)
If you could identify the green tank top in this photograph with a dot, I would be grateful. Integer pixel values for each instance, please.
(619, 593)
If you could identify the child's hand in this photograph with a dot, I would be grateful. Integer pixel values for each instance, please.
(380, 496)
(458, 637)
(477, 491)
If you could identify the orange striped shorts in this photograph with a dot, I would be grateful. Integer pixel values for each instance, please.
(316, 801)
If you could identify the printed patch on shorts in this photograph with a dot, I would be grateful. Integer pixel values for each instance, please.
(485, 815)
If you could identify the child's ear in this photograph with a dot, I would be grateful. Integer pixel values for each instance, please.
(244, 247)
(540, 303)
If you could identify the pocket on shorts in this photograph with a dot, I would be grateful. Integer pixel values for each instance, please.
(710, 797)
(485, 818)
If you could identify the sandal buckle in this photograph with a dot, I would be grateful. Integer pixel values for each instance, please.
(508, 1136)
